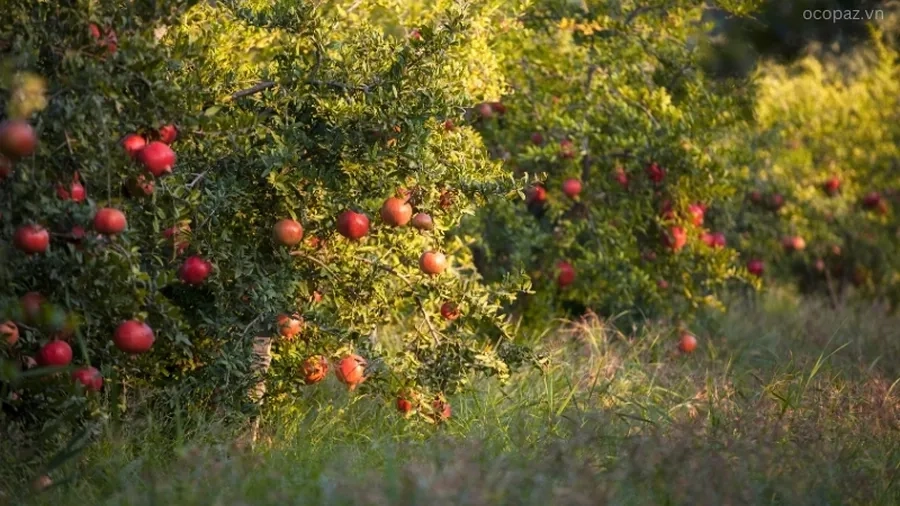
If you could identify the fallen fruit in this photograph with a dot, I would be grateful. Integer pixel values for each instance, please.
(687, 343)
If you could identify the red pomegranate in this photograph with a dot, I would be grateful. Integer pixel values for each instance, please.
(168, 133)
(621, 177)
(449, 310)
(140, 185)
(314, 369)
(719, 240)
(17, 139)
(537, 139)
(32, 239)
(289, 326)
(9, 332)
(396, 212)
(157, 158)
(687, 343)
(793, 243)
(353, 225)
(351, 370)
(422, 221)
(55, 354)
(89, 377)
(109, 221)
(76, 191)
(536, 195)
(871, 200)
(675, 239)
(6, 167)
(442, 411)
(756, 267)
(288, 232)
(194, 270)
(662, 284)
(133, 337)
(565, 274)
(404, 405)
(655, 172)
(566, 149)
(178, 236)
(571, 187)
(133, 144)
(432, 262)
(696, 212)
(832, 185)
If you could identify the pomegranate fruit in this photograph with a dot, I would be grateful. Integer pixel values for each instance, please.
(832, 185)
(133, 337)
(194, 270)
(404, 405)
(139, 186)
(565, 274)
(422, 221)
(441, 409)
(675, 239)
(396, 212)
(537, 139)
(76, 191)
(133, 144)
(432, 262)
(314, 369)
(168, 133)
(793, 243)
(109, 221)
(571, 187)
(687, 343)
(32, 239)
(157, 158)
(696, 212)
(288, 232)
(449, 310)
(90, 377)
(351, 370)
(353, 225)
(289, 327)
(655, 172)
(871, 200)
(566, 149)
(756, 267)
(485, 110)
(621, 177)
(17, 138)
(9, 332)
(536, 195)
(55, 354)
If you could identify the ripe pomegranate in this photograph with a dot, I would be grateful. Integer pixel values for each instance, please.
(133, 144)
(675, 239)
(662, 284)
(289, 327)
(353, 225)
(432, 262)
(871, 200)
(697, 211)
(566, 149)
(89, 377)
(565, 274)
(76, 191)
(718, 240)
(485, 110)
(536, 195)
(111, 42)
(756, 197)
(178, 236)
(9, 332)
(687, 343)
(537, 139)
(449, 310)
(32, 239)
(109, 221)
(5, 167)
(168, 133)
(133, 337)
(498, 108)
(31, 304)
(157, 158)
(55, 354)
(396, 212)
(449, 126)
(422, 221)
(621, 177)
(351, 370)
(571, 187)
(793, 243)
(415, 34)
(315, 369)
(194, 270)
(776, 202)
(288, 232)
(832, 185)
(404, 405)
(17, 139)
(756, 267)
(707, 239)
(656, 173)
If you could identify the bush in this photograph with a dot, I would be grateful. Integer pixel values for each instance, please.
(610, 104)
(279, 113)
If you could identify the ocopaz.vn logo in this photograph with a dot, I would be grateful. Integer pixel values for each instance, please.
(836, 15)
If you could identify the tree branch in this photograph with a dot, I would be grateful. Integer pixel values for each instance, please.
(262, 86)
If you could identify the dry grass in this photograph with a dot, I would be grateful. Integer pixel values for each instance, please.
(783, 403)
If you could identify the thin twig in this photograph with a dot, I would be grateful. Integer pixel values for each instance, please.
(262, 86)
(425, 315)
(197, 179)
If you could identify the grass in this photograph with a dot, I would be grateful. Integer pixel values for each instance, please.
(784, 402)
